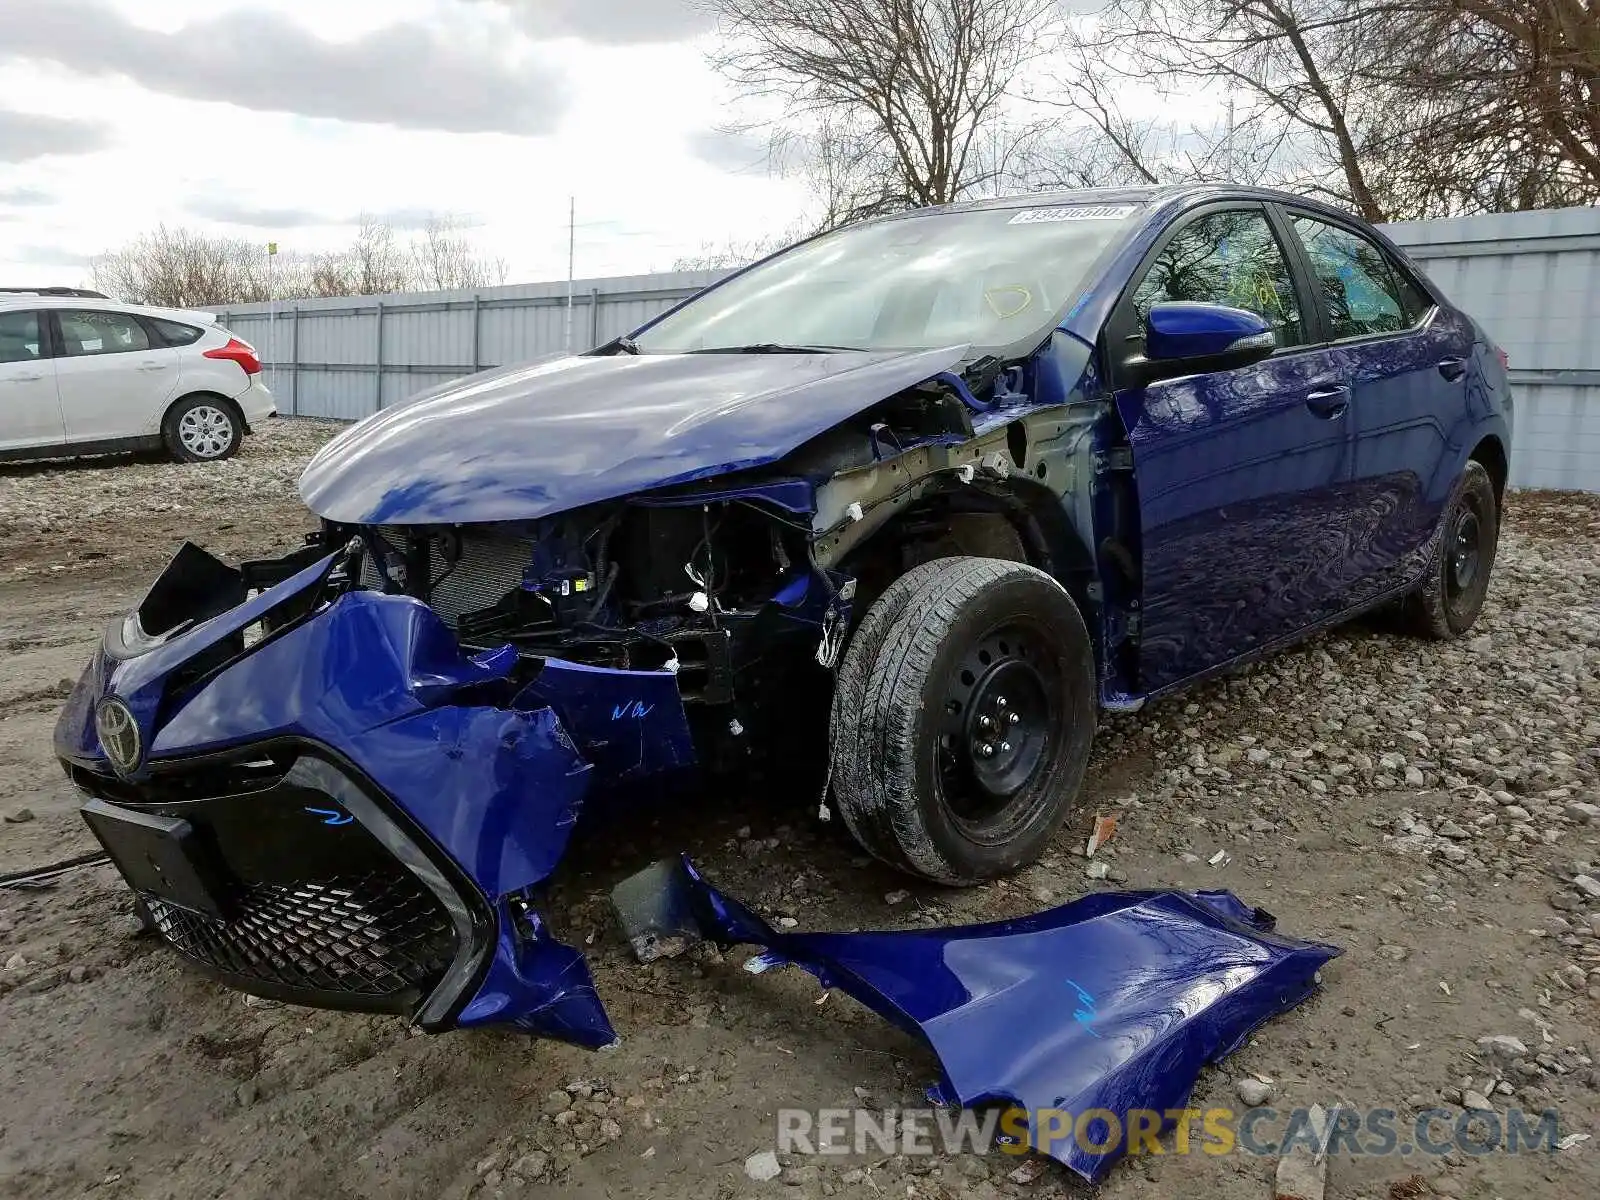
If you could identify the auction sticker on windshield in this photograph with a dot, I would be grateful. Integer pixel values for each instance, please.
(1073, 212)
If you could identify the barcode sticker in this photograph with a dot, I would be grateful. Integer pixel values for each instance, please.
(1073, 212)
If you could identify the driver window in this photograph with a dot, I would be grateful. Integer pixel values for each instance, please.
(1227, 258)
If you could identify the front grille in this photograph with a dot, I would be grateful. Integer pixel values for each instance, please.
(380, 935)
(490, 566)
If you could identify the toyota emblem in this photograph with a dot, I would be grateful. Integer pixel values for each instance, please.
(119, 735)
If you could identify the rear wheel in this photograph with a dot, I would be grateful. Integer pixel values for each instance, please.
(202, 429)
(1452, 594)
(962, 719)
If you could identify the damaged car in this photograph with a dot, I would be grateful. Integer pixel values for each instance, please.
(909, 503)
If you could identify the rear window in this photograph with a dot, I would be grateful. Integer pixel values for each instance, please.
(175, 333)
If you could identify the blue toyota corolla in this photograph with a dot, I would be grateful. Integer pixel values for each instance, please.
(908, 503)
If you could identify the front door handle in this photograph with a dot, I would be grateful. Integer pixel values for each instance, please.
(1329, 402)
(23, 379)
(1453, 368)
(152, 366)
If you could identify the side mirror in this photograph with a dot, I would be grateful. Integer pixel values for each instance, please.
(1181, 337)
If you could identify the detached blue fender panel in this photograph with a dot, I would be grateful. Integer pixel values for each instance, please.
(1111, 1002)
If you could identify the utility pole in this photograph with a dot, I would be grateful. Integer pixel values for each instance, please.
(572, 259)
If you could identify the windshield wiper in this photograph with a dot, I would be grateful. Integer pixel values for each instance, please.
(773, 348)
(625, 345)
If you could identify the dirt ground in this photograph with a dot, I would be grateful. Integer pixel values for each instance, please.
(1424, 806)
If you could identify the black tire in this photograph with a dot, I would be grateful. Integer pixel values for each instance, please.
(1452, 592)
(203, 428)
(909, 778)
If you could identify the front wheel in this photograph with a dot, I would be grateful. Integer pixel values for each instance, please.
(203, 429)
(962, 719)
(1452, 593)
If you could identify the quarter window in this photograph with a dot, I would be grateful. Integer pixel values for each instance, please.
(101, 333)
(1364, 291)
(19, 337)
(174, 333)
(1229, 258)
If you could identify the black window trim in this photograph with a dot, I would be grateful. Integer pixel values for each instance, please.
(60, 338)
(1122, 324)
(47, 344)
(1287, 214)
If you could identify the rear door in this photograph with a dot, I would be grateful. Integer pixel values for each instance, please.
(113, 378)
(1407, 360)
(30, 410)
(1239, 473)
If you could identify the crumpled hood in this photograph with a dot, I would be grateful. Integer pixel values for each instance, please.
(555, 434)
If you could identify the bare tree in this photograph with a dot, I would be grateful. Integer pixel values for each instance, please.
(892, 103)
(181, 268)
(184, 268)
(1394, 108)
(446, 260)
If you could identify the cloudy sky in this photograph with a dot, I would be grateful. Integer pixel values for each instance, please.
(285, 119)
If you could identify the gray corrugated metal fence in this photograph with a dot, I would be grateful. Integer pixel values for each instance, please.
(322, 356)
(1531, 278)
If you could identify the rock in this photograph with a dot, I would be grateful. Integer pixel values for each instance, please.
(557, 1102)
(247, 1093)
(1029, 1171)
(16, 962)
(763, 1167)
(1300, 1176)
(1253, 1092)
(1502, 1046)
(897, 897)
(1471, 1100)
(1587, 813)
(610, 1130)
(1563, 902)
(19, 816)
(78, 974)
(1097, 869)
(1588, 885)
(531, 1166)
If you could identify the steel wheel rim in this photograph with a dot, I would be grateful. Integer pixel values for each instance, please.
(996, 728)
(205, 431)
(1465, 551)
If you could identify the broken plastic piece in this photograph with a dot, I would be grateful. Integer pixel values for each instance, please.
(1112, 1002)
(699, 602)
(855, 511)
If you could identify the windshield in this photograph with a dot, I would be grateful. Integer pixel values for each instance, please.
(990, 278)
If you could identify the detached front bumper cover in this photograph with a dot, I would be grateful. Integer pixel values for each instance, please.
(288, 736)
(1112, 1002)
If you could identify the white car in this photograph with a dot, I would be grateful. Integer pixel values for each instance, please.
(82, 375)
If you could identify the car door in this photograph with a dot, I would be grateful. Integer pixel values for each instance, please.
(30, 409)
(1407, 360)
(113, 380)
(1238, 472)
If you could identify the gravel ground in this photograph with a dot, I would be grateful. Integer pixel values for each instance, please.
(1431, 808)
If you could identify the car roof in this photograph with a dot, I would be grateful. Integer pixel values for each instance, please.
(187, 315)
(1175, 194)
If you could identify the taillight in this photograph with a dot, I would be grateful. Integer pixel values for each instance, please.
(1505, 359)
(242, 353)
